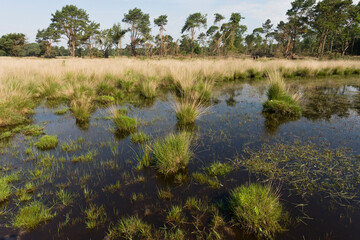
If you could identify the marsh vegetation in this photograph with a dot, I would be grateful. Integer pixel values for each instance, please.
(183, 149)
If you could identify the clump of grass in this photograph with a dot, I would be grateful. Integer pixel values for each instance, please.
(33, 130)
(219, 169)
(88, 157)
(112, 187)
(280, 102)
(144, 158)
(70, 146)
(178, 234)
(5, 190)
(61, 111)
(105, 99)
(139, 137)
(172, 154)
(130, 228)
(81, 108)
(105, 89)
(165, 194)
(95, 216)
(32, 215)
(187, 111)
(5, 135)
(123, 122)
(65, 197)
(175, 215)
(204, 90)
(148, 87)
(257, 208)
(206, 179)
(47, 142)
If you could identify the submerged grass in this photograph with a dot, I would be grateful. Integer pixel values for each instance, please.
(130, 228)
(257, 208)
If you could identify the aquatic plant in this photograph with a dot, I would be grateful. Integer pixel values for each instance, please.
(5, 190)
(81, 108)
(257, 208)
(139, 137)
(187, 111)
(95, 216)
(175, 215)
(219, 169)
(279, 101)
(105, 89)
(148, 87)
(130, 228)
(33, 130)
(47, 142)
(105, 99)
(32, 215)
(123, 122)
(65, 197)
(61, 111)
(172, 153)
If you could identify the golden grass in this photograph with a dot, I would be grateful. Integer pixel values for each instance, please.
(22, 79)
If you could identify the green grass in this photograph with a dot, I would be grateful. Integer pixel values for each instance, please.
(32, 215)
(280, 102)
(172, 154)
(125, 123)
(65, 197)
(206, 179)
(5, 135)
(47, 142)
(95, 216)
(61, 111)
(105, 99)
(33, 130)
(5, 190)
(139, 137)
(219, 169)
(257, 208)
(175, 215)
(187, 111)
(70, 146)
(130, 228)
(148, 88)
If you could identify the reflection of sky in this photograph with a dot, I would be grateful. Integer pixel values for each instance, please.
(29, 16)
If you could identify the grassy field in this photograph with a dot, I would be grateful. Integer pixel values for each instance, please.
(83, 81)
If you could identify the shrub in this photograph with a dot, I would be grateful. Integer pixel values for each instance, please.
(257, 208)
(47, 142)
(172, 154)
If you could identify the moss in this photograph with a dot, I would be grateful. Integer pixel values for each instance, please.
(32, 215)
(257, 209)
(47, 142)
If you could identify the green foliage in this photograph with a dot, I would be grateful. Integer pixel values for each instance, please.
(33, 130)
(61, 111)
(125, 123)
(282, 108)
(257, 209)
(47, 142)
(5, 190)
(130, 228)
(219, 169)
(95, 216)
(105, 89)
(12, 44)
(32, 215)
(172, 154)
(139, 137)
(105, 99)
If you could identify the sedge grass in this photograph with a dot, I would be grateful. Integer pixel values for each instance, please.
(257, 209)
(32, 215)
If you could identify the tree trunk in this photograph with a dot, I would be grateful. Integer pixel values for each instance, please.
(73, 48)
(192, 41)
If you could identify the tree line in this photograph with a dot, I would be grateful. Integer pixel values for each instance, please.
(328, 27)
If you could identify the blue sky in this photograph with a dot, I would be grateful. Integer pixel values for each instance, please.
(28, 16)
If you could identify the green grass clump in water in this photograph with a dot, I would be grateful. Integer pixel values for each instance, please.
(47, 142)
(105, 99)
(5, 190)
(32, 215)
(139, 137)
(148, 87)
(125, 123)
(219, 169)
(172, 154)
(6, 135)
(130, 228)
(33, 130)
(257, 208)
(61, 111)
(95, 216)
(279, 101)
(187, 111)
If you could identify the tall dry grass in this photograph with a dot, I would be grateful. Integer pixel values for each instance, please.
(21, 79)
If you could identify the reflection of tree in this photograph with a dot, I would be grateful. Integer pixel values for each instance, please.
(273, 121)
(324, 102)
(231, 100)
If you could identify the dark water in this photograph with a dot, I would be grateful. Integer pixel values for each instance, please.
(234, 122)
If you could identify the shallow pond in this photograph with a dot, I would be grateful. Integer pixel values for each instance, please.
(324, 204)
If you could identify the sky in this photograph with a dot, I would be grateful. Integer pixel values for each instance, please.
(27, 16)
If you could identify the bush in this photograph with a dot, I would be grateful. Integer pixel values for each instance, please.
(257, 208)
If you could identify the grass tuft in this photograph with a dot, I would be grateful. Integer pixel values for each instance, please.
(130, 228)
(257, 208)
(139, 137)
(47, 142)
(172, 154)
(32, 215)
